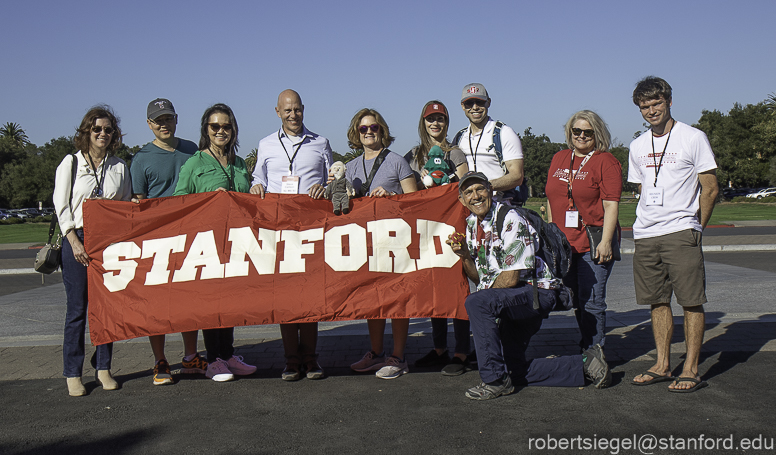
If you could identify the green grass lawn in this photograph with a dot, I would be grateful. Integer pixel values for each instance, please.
(723, 213)
(24, 233)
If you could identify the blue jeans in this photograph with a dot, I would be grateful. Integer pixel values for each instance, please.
(461, 330)
(73, 353)
(588, 281)
(503, 322)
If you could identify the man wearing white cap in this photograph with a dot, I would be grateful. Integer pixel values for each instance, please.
(490, 146)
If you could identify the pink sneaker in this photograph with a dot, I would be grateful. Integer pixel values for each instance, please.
(219, 371)
(238, 367)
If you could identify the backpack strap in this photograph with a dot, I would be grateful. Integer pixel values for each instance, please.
(497, 145)
(73, 170)
(457, 138)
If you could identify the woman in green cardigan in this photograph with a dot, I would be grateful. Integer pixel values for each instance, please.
(216, 167)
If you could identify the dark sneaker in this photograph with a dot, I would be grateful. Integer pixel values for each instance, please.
(456, 367)
(595, 367)
(493, 390)
(162, 373)
(194, 366)
(433, 359)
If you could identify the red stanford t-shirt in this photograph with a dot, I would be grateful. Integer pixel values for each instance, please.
(599, 180)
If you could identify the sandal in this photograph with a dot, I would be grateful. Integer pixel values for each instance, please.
(313, 368)
(291, 372)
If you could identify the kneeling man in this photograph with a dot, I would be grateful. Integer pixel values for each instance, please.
(501, 312)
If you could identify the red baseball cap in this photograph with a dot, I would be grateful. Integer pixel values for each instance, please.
(435, 108)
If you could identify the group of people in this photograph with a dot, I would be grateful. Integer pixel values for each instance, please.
(499, 252)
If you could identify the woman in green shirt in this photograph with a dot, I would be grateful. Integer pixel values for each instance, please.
(216, 167)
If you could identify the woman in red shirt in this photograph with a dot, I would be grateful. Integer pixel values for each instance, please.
(590, 197)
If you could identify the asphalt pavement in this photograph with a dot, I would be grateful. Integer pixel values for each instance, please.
(421, 412)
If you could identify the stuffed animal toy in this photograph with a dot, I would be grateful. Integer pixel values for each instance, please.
(437, 167)
(340, 190)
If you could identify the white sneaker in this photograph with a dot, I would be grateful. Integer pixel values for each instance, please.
(238, 367)
(219, 371)
(394, 367)
(370, 362)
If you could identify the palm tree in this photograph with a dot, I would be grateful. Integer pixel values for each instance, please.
(771, 102)
(15, 132)
(250, 160)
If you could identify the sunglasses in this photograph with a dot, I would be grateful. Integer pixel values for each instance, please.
(374, 127)
(470, 103)
(216, 127)
(578, 132)
(436, 118)
(98, 129)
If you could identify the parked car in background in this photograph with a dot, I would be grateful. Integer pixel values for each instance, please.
(766, 193)
(761, 193)
(18, 213)
(33, 212)
(5, 215)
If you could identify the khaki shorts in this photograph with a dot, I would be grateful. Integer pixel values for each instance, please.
(670, 264)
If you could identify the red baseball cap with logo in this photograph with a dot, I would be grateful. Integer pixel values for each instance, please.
(435, 108)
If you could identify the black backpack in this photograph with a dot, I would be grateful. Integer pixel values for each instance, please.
(554, 249)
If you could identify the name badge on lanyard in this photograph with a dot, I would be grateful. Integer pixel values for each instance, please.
(654, 195)
(289, 184)
(572, 219)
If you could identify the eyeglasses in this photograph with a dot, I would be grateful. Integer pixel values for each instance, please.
(374, 127)
(216, 127)
(470, 103)
(439, 118)
(578, 132)
(98, 129)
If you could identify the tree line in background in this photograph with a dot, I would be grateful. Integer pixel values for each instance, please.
(743, 140)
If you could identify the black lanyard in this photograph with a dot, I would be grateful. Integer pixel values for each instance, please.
(662, 155)
(474, 151)
(230, 181)
(100, 181)
(290, 158)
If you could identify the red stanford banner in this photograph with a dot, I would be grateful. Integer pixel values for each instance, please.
(230, 259)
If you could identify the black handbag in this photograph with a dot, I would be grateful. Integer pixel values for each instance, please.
(594, 235)
(49, 258)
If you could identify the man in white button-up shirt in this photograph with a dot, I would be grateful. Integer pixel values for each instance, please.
(294, 160)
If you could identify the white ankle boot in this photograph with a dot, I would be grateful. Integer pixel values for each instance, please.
(105, 379)
(75, 387)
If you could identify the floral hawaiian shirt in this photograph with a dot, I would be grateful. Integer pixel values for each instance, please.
(512, 249)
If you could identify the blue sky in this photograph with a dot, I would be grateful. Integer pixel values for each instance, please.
(541, 61)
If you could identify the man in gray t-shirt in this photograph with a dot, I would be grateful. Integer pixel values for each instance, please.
(155, 170)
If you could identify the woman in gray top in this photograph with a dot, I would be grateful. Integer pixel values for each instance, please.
(432, 129)
(369, 131)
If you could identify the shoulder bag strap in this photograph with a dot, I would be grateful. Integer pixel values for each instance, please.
(378, 161)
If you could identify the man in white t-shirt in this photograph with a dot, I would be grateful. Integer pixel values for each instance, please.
(294, 160)
(476, 141)
(674, 166)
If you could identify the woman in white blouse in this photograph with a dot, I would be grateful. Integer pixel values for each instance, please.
(92, 172)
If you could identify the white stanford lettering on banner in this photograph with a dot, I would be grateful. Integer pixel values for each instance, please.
(390, 241)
